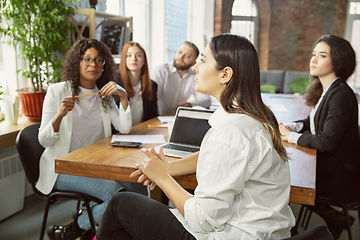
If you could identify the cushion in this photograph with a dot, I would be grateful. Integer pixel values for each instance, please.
(291, 76)
(267, 88)
(300, 85)
(273, 77)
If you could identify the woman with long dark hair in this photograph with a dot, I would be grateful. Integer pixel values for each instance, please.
(331, 128)
(69, 123)
(242, 169)
(141, 90)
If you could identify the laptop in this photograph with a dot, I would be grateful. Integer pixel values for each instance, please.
(190, 127)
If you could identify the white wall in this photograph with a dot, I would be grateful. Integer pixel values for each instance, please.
(157, 51)
(200, 22)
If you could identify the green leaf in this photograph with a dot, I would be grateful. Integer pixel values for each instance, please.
(300, 85)
(39, 29)
(267, 88)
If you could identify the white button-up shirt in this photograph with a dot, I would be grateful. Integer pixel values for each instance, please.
(173, 90)
(243, 184)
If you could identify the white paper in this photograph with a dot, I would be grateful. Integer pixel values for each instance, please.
(139, 138)
(165, 119)
(278, 108)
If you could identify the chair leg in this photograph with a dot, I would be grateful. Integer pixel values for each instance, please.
(307, 217)
(43, 225)
(294, 230)
(345, 210)
(91, 218)
(78, 205)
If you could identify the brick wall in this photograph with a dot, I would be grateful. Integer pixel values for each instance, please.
(288, 29)
(296, 25)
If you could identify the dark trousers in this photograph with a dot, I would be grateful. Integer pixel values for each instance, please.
(134, 216)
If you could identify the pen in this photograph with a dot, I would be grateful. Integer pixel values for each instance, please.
(86, 95)
(158, 126)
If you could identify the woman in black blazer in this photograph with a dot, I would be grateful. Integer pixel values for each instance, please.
(134, 77)
(331, 128)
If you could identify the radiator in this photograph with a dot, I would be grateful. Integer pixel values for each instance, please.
(12, 182)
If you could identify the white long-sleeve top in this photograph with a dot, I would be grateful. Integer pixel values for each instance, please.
(173, 90)
(243, 184)
(58, 144)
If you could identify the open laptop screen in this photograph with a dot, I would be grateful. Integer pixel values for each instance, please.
(190, 126)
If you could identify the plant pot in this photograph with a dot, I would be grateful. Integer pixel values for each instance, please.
(31, 104)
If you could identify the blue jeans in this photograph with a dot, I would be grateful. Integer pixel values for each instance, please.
(99, 188)
(136, 217)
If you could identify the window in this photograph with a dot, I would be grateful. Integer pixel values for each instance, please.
(244, 19)
(354, 8)
(352, 34)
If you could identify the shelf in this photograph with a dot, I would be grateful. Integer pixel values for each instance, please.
(91, 14)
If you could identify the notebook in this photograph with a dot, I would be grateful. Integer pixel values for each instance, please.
(190, 127)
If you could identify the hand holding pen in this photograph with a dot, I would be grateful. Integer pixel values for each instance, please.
(67, 104)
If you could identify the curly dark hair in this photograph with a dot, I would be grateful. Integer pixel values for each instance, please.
(71, 71)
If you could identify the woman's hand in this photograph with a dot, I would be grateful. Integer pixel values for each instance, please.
(67, 104)
(143, 179)
(153, 169)
(285, 131)
(114, 88)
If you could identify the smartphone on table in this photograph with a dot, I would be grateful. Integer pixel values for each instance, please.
(125, 144)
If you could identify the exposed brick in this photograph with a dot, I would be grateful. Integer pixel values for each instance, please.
(288, 29)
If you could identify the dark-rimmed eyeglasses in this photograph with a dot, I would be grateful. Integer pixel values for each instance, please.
(87, 61)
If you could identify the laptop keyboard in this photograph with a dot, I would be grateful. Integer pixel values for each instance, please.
(181, 148)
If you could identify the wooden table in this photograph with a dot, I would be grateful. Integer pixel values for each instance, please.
(9, 132)
(100, 160)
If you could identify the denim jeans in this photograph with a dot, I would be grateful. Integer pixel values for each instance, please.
(99, 188)
(134, 216)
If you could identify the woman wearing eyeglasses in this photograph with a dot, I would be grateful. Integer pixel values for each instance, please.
(71, 121)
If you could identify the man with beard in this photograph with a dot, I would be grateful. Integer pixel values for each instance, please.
(176, 81)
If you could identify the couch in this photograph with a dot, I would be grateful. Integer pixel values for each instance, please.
(280, 79)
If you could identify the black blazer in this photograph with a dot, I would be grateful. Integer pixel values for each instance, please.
(150, 109)
(337, 143)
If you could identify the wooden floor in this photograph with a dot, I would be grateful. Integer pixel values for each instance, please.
(26, 223)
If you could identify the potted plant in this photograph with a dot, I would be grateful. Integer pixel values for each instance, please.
(39, 29)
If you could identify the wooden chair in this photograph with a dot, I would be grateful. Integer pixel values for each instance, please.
(30, 152)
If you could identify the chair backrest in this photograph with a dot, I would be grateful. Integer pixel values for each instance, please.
(318, 232)
(30, 151)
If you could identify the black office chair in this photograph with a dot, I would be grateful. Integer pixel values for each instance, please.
(307, 212)
(30, 152)
(318, 232)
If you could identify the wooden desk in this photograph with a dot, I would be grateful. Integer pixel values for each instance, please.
(9, 132)
(100, 160)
